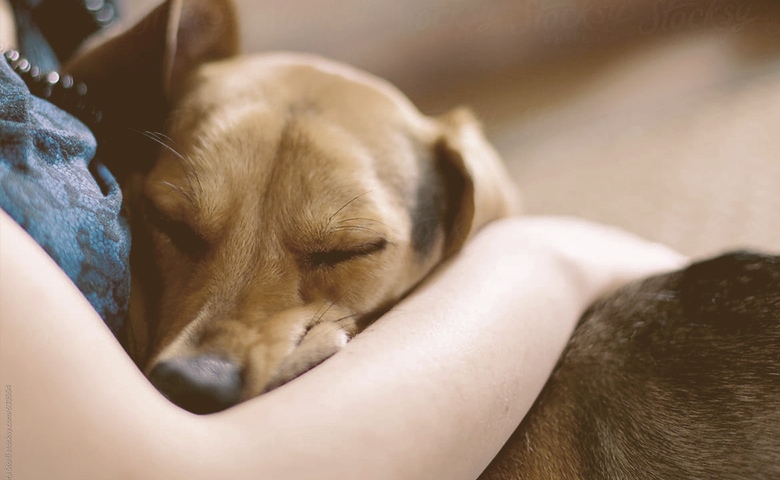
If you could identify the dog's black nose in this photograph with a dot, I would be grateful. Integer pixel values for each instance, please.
(202, 384)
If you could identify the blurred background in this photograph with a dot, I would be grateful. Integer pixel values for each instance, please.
(659, 116)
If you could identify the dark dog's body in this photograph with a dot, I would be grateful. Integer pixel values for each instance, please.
(677, 376)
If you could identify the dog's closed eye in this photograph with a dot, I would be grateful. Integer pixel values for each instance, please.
(326, 258)
(182, 236)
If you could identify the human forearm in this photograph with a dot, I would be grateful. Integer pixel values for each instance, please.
(430, 391)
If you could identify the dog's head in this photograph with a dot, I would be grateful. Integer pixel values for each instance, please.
(291, 200)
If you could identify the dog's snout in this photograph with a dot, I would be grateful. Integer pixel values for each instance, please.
(202, 384)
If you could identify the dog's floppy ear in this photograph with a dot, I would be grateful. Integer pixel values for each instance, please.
(156, 54)
(133, 77)
(485, 190)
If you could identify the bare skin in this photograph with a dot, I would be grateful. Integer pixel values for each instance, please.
(7, 27)
(431, 390)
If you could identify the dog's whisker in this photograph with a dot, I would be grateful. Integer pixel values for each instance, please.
(153, 136)
(355, 219)
(358, 227)
(320, 313)
(318, 316)
(190, 173)
(346, 317)
(179, 190)
(147, 132)
(315, 320)
(159, 135)
(164, 136)
(185, 163)
(318, 334)
(330, 219)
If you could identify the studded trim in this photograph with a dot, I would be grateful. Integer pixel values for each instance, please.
(61, 90)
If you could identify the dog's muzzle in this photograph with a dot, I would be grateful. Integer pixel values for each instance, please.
(202, 384)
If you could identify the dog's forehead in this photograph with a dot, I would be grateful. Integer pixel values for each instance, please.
(290, 84)
(299, 135)
(306, 169)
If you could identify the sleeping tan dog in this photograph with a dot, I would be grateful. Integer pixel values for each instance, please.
(291, 200)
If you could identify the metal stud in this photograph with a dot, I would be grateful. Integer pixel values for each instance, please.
(62, 90)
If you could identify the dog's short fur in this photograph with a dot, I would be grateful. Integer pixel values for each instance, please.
(281, 202)
(290, 201)
(674, 377)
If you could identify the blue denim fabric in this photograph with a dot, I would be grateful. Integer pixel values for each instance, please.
(71, 208)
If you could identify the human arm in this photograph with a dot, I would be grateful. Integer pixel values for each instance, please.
(7, 27)
(431, 390)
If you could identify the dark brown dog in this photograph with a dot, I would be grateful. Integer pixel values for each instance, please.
(675, 377)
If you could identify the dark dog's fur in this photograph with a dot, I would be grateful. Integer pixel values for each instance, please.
(677, 376)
